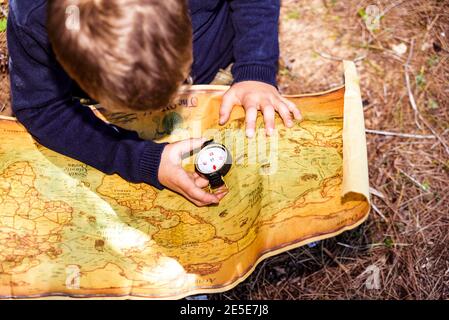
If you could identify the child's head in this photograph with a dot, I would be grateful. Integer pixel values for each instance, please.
(127, 54)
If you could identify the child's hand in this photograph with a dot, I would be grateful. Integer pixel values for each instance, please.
(189, 184)
(255, 96)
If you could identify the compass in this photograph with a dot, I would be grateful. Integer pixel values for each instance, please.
(213, 162)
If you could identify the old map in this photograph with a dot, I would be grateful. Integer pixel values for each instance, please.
(69, 230)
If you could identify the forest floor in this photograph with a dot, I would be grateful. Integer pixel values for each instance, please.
(402, 251)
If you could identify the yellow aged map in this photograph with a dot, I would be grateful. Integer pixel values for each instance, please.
(68, 230)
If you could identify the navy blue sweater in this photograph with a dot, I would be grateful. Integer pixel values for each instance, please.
(241, 31)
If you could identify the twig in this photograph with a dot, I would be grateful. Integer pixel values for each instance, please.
(406, 203)
(329, 57)
(446, 147)
(380, 244)
(377, 193)
(336, 260)
(413, 102)
(414, 180)
(370, 32)
(397, 134)
(429, 28)
(257, 276)
(376, 209)
(409, 88)
(394, 5)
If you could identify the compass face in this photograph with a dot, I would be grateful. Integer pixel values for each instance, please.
(211, 159)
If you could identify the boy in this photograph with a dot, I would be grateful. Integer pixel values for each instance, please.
(133, 55)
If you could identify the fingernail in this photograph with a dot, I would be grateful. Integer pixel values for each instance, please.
(270, 131)
(249, 133)
(290, 123)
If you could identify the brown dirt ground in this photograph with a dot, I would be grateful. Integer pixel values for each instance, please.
(406, 237)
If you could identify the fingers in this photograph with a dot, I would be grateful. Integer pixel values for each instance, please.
(293, 109)
(188, 184)
(251, 118)
(229, 100)
(200, 181)
(188, 188)
(256, 96)
(251, 105)
(201, 197)
(221, 193)
(268, 116)
(285, 113)
(191, 185)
